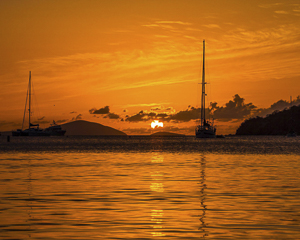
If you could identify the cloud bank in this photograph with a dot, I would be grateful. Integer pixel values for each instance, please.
(234, 109)
(104, 111)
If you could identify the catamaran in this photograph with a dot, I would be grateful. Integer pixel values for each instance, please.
(33, 129)
(55, 130)
(204, 129)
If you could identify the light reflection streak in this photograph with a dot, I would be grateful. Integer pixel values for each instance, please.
(29, 203)
(157, 186)
(157, 218)
(203, 186)
(157, 158)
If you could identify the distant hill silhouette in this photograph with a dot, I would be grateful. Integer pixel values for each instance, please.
(277, 123)
(167, 134)
(82, 127)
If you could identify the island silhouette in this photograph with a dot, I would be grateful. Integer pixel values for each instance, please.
(277, 123)
(85, 128)
(167, 134)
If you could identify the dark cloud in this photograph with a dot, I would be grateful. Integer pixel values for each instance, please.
(234, 109)
(137, 117)
(41, 121)
(73, 112)
(182, 116)
(187, 115)
(144, 116)
(278, 106)
(78, 117)
(161, 109)
(163, 116)
(104, 110)
(112, 116)
(61, 121)
(281, 104)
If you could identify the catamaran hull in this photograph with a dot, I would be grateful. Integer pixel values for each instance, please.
(55, 130)
(16, 133)
(34, 133)
(30, 133)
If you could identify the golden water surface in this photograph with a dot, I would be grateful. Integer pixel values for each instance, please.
(149, 195)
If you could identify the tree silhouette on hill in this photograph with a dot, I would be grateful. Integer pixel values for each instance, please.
(277, 123)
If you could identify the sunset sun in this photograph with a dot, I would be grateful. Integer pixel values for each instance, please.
(156, 124)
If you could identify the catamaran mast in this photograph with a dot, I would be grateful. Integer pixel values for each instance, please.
(29, 94)
(203, 89)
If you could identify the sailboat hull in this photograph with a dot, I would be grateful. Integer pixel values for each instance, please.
(205, 133)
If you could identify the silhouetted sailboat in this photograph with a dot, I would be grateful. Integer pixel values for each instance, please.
(33, 129)
(205, 129)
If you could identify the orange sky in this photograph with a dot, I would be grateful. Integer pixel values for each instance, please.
(138, 55)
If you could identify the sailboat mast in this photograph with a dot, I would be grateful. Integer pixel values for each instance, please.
(203, 88)
(29, 94)
(24, 115)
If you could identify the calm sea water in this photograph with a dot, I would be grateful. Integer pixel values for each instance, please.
(150, 188)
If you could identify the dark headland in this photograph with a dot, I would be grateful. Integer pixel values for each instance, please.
(277, 123)
(167, 134)
(85, 128)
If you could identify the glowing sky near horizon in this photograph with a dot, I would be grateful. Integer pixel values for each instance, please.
(140, 55)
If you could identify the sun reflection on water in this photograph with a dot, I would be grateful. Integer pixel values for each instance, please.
(157, 158)
(157, 219)
(157, 186)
